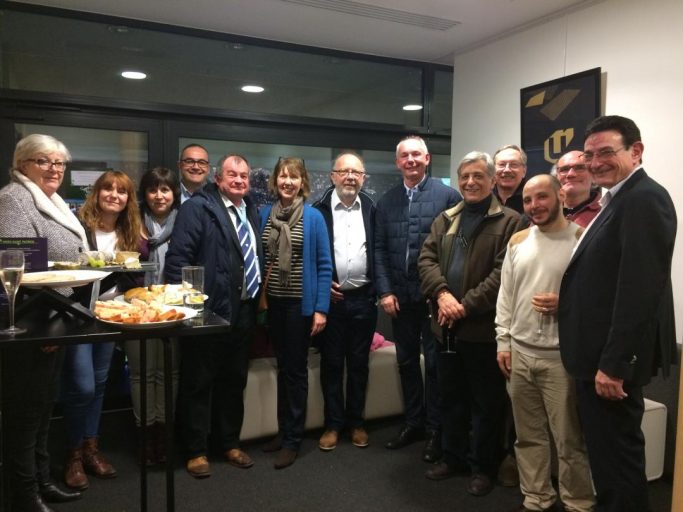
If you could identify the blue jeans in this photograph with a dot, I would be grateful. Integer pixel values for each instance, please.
(346, 340)
(84, 379)
(412, 332)
(290, 333)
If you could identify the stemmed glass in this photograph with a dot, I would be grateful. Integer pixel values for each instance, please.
(11, 271)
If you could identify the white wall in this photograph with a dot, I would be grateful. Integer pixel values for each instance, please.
(638, 45)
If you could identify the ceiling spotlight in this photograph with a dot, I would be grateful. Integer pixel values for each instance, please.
(252, 88)
(134, 75)
(412, 107)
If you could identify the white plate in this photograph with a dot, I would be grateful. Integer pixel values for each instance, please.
(189, 313)
(63, 278)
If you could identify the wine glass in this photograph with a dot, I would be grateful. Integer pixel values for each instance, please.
(11, 271)
(541, 314)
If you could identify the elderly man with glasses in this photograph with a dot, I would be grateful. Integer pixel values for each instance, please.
(193, 165)
(582, 199)
(349, 214)
(510, 164)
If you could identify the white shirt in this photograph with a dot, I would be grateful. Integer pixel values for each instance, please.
(607, 196)
(350, 246)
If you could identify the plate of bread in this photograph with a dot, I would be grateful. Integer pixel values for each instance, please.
(141, 315)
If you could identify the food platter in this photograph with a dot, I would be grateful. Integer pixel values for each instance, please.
(61, 278)
(189, 314)
(173, 294)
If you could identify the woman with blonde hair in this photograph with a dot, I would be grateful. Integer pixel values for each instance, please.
(111, 219)
(299, 278)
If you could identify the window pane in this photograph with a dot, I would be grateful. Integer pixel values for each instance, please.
(442, 105)
(76, 57)
(92, 152)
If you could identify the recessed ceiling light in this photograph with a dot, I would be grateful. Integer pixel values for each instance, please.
(252, 88)
(134, 75)
(412, 107)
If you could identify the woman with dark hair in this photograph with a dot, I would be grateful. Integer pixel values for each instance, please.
(160, 198)
(299, 278)
(111, 219)
(31, 207)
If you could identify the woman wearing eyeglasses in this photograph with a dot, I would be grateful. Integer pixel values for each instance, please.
(299, 277)
(31, 207)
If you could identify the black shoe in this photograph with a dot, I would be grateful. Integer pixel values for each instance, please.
(432, 449)
(31, 504)
(407, 435)
(53, 494)
(480, 485)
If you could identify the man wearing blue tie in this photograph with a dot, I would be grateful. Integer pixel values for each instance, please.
(216, 228)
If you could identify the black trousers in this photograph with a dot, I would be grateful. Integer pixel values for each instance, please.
(30, 385)
(213, 375)
(472, 404)
(290, 334)
(346, 342)
(616, 447)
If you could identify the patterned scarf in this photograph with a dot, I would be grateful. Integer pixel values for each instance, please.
(279, 243)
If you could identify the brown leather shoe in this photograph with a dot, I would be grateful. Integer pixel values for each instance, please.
(359, 437)
(74, 475)
(479, 485)
(508, 474)
(274, 444)
(328, 441)
(198, 467)
(94, 462)
(285, 457)
(239, 458)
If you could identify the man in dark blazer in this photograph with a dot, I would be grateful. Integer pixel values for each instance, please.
(349, 215)
(616, 320)
(218, 228)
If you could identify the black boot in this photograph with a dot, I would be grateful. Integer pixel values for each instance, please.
(432, 449)
(53, 494)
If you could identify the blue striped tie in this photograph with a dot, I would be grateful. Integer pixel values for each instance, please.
(249, 253)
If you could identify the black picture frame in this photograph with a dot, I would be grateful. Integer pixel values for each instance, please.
(554, 115)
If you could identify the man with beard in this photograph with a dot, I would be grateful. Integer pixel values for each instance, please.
(349, 214)
(581, 199)
(459, 268)
(193, 165)
(542, 392)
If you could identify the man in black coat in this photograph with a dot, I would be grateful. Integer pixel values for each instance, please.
(349, 215)
(218, 228)
(616, 310)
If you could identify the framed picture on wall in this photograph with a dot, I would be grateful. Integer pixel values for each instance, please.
(554, 116)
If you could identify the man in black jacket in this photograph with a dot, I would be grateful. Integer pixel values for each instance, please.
(217, 228)
(616, 316)
(349, 215)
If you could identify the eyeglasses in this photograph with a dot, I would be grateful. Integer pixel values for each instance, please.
(500, 166)
(603, 154)
(343, 173)
(577, 168)
(46, 164)
(191, 161)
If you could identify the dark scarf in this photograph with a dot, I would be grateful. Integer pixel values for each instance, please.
(156, 241)
(279, 243)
